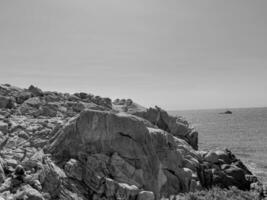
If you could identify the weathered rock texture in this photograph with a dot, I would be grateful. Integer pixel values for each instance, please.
(121, 147)
(81, 146)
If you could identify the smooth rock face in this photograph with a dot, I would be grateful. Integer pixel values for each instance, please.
(76, 147)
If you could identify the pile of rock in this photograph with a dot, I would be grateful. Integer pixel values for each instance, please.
(34, 102)
(80, 146)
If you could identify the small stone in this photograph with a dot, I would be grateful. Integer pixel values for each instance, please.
(73, 169)
(23, 135)
(19, 171)
(2, 174)
(11, 162)
(3, 127)
(146, 195)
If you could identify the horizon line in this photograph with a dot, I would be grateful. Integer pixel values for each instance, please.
(219, 108)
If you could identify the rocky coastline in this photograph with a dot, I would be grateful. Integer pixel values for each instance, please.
(80, 146)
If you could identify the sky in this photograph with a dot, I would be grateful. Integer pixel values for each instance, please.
(177, 54)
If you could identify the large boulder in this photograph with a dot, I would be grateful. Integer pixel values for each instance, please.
(231, 176)
(31, 106)
(35, 91)
(219, 156)
(174, 125)
(120, 146)
(51, 178)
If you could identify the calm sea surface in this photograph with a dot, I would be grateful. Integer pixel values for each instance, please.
(244, 132)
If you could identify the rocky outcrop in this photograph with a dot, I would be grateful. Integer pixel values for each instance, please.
(173, 125)
(81, 146)
(127, 105)
(121, 147)
(227, 170)
(161, 119)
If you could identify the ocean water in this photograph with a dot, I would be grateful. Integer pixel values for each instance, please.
(244, 132)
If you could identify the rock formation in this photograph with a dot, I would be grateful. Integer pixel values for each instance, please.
(81, 146)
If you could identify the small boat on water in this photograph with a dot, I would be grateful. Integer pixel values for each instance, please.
(227, 112)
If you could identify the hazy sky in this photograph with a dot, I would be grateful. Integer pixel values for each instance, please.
(173, 53)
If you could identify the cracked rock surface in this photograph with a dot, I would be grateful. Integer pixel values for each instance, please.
(80, 146)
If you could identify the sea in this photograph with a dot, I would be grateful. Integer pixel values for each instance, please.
(244, 132)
